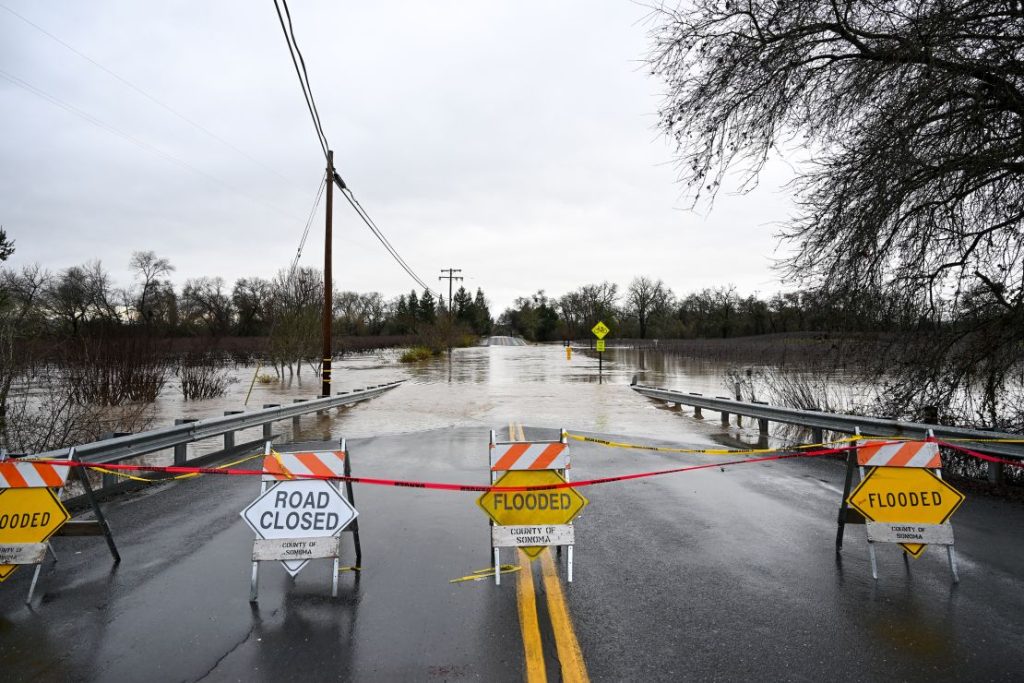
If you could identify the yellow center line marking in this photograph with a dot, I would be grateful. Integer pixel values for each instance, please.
(533, 651)
(570, 656)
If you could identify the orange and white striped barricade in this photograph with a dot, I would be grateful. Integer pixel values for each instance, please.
(507, 457)
(901, 498)
(31, 513)
(301, 512)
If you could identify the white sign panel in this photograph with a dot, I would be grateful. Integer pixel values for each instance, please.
(896, 532)
(295, 548)
(299, 509)
(22, 553)
(519, 536)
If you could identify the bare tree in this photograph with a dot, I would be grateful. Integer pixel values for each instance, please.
(645, 299)
(148, 268)
(205, 305)
(913, 113)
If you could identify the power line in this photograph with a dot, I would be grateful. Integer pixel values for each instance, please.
(296, 55)
(307, 92)
(309, 222)
(113, 130)
(365, 216)
(145, 94)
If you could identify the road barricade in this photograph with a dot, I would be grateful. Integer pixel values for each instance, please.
(901, 498)
(31, 513)
(297, 518)
(535, 519)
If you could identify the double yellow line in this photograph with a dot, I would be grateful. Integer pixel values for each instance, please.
(570, 657)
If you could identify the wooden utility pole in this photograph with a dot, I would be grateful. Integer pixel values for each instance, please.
(328, 353)
(450, 276)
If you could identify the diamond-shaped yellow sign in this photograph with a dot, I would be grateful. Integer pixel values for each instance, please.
(600, 330)
(905, 494)
(532, 508)
(28, 516)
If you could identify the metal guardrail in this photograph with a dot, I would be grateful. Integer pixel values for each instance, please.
(976, 439)
(128, 446)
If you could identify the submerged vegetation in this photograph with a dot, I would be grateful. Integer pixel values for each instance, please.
(417, 353)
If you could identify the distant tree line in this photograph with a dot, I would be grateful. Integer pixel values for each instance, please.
(648, 309)
(83, 300)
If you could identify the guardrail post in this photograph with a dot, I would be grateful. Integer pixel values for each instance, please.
(268, 427)
(995, 472)
(295, 420)
(110, 479)
(762, 426)
(817, 435)
(697, 414)
(229, 437)
(181, 450)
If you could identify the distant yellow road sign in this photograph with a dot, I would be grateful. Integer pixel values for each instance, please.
(907, 495)
(600, 330)
(600, 345)
(27, 515)
(532, 508)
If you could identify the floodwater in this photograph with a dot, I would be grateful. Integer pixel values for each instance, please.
(488, 385)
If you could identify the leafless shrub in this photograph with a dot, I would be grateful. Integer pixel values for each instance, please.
(114, 371)
(45, 415)
(202, 376)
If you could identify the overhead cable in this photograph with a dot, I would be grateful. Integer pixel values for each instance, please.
(307, 92)
(142, 144)
(145, 94)
(309, 222)
(350, 197)
(296, 54)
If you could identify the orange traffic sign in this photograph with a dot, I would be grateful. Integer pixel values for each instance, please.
(28, 516)
(910, 495)
(541, 507)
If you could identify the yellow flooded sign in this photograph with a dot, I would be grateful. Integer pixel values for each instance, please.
(905, 495)
(600, 330)
(538, 508)
(27, 516)
(600, 345)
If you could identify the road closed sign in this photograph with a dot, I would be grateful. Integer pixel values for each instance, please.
(532, 512)
(299, 509)
(906, 504)
(28, 517)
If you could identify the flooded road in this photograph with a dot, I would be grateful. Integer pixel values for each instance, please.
(533, 384)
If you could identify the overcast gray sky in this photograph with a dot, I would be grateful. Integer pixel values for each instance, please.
(515, 140)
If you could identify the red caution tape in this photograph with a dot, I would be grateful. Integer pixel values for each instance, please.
(441, 486)
(981, 456)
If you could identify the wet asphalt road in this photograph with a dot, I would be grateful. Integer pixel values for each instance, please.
(710, 575)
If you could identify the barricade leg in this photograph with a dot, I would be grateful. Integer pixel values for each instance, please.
(254, 581)
(952, 563)
(334, 580)
(32, 586)
(874, 562)
(497, 567)
(352, 499)
(568, 564)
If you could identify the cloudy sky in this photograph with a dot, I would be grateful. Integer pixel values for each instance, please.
(515, 140)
